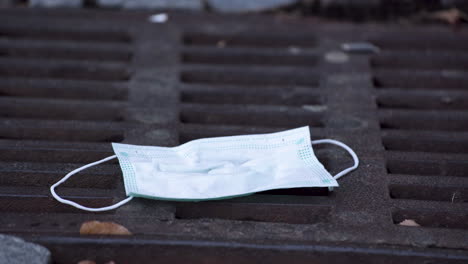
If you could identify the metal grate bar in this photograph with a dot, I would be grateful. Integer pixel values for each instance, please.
(51, 49)
(63, 69)
(250, 39)
(65, 89)
(17, 107)
(238, 56)
(440, 80)
(48, 32)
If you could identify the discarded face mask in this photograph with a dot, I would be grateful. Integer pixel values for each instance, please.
(219, 168)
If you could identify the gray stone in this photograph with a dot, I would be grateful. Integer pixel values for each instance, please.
(56, 3)
(163, 4)
(109, 3)
(241, 6)
(14, 250)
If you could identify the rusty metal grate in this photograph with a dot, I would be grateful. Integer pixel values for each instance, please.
(74, 81)
(261, 86)
(424, 124)
(61, 99)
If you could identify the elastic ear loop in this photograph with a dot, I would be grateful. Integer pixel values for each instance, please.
(65, 201)
(345, 147)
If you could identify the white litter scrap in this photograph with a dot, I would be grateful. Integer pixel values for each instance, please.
(360, 47)
(158, 18)
(408, 222)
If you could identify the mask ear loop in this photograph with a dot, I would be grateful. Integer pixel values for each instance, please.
(345, 147)
(65, 201)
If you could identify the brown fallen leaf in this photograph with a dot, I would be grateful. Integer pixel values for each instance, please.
(103, 228)
(86, 262)
(451, 16)
(409, 222)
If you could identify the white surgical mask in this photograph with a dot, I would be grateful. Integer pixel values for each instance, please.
(217, 168)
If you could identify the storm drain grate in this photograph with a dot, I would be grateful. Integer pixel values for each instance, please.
(62, 94)
(422, 106)
(243, 83)
(71, 82)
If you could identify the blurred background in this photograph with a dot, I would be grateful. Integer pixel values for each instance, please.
(362, 10)
(387, 77)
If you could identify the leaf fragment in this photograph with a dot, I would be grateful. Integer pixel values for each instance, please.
(451, 16)
(103, 228)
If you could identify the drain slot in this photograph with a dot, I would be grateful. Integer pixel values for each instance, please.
(386, 79)
(239, 97)
(63, 89)
(246, 77)
(60, 109)
(424, 167)
(263, 208)
(425, 143)
(50, 33)
(63, 70)
(225, 57)
(429, 193)
(250, 115)
(455, 121)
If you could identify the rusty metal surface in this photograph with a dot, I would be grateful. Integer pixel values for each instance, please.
(71, 82)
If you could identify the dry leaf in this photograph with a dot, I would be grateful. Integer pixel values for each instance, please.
(103, 228)
(86, 262)
(409, 222)
(452, 16)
